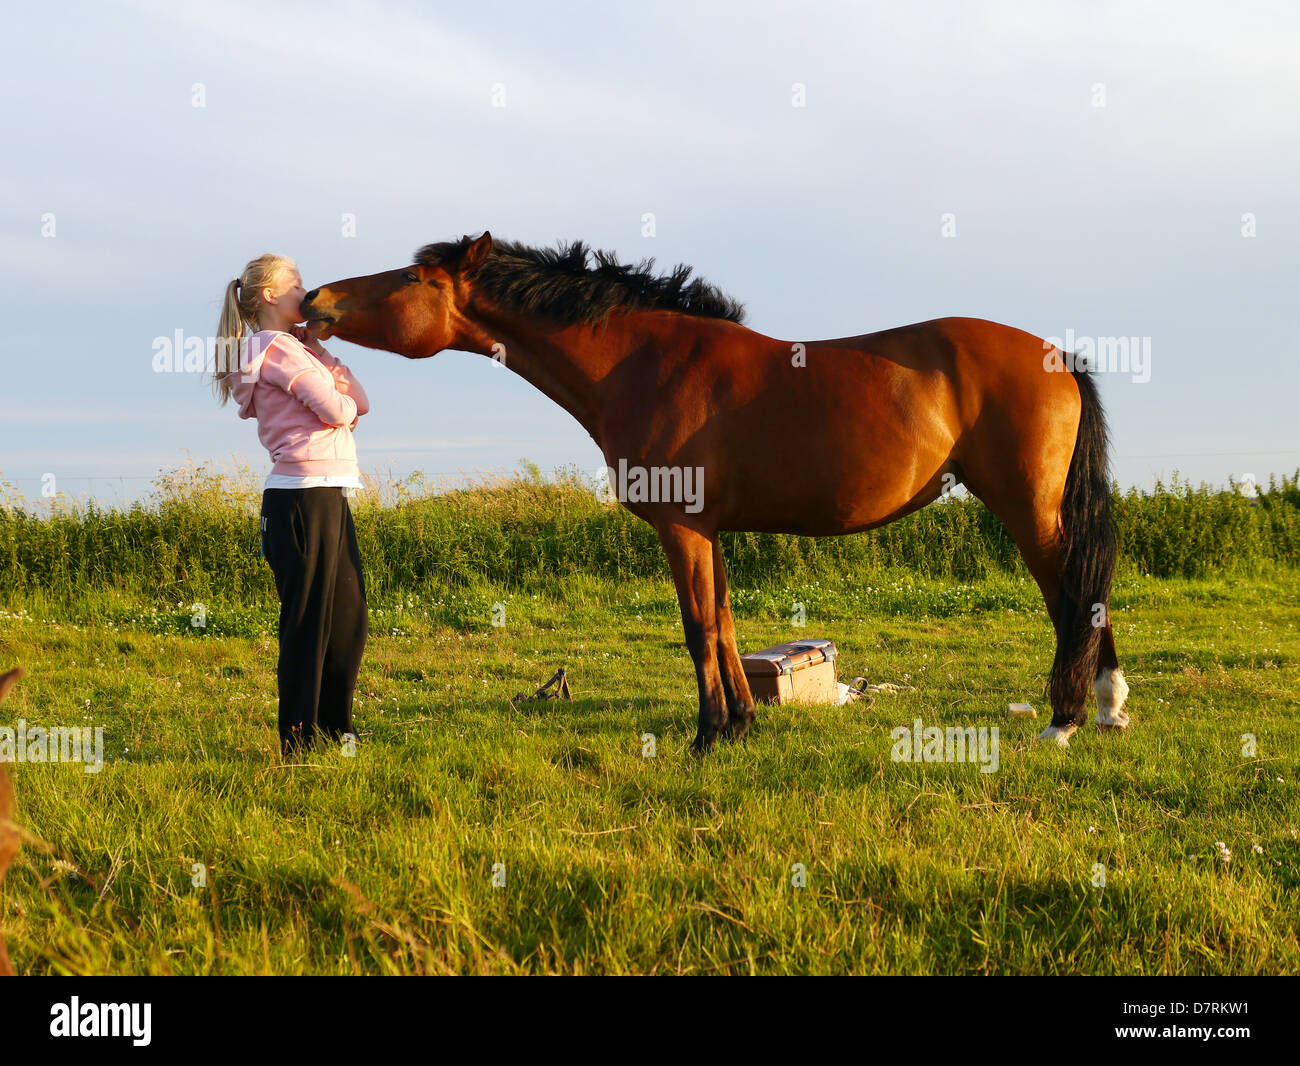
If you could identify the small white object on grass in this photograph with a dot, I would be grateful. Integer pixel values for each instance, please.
(860, 689)
(1021, 710)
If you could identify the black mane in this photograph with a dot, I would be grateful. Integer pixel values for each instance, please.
(564, 284)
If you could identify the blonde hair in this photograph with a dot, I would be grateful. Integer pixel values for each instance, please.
(239, 313)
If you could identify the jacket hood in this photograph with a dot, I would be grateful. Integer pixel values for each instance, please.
(244, 380)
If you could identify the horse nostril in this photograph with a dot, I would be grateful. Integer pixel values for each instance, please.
(312, 295)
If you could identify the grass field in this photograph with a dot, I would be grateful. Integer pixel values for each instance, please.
(615, 862)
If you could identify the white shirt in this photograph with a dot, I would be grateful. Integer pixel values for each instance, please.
(349, 483)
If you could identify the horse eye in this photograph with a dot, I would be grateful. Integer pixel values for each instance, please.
(410, 275)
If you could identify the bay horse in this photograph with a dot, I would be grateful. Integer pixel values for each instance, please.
(817, 438)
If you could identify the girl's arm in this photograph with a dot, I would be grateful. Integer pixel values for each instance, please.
(309, 382)
(319, 392)
(344, 380)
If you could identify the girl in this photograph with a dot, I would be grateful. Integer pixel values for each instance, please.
(306, 404)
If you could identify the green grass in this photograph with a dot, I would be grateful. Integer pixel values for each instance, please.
(382, 863)
(196, 540)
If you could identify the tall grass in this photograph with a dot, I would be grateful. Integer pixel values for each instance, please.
(196, 539)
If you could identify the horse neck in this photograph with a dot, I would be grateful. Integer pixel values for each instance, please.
(567, 363)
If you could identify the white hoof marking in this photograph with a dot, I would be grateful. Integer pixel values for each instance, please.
(1058, 735)
(1112, 691)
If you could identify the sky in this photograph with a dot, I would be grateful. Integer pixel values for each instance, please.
(1086, 170)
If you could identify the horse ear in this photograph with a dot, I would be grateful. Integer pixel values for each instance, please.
(476, 253)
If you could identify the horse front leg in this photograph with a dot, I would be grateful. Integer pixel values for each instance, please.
(690, 557)
(740, 701)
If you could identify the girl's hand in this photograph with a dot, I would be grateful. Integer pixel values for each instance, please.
(309, 339)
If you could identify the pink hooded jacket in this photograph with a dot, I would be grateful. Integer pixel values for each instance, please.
(306, 407)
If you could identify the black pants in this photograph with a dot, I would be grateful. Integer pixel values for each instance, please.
(310, 541)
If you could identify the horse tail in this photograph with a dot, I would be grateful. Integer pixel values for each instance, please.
(1091, 547)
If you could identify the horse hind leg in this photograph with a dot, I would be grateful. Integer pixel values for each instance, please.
(1033, 520)
(1061, 520)
(1044, 553)
(1085, 645)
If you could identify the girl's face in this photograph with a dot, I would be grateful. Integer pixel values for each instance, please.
(285, 305)
(291, 298)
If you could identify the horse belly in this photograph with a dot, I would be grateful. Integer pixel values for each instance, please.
(833, 463)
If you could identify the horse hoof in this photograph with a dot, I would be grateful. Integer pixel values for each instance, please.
(736, 730)
(1057, 734)
(1116, 720)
